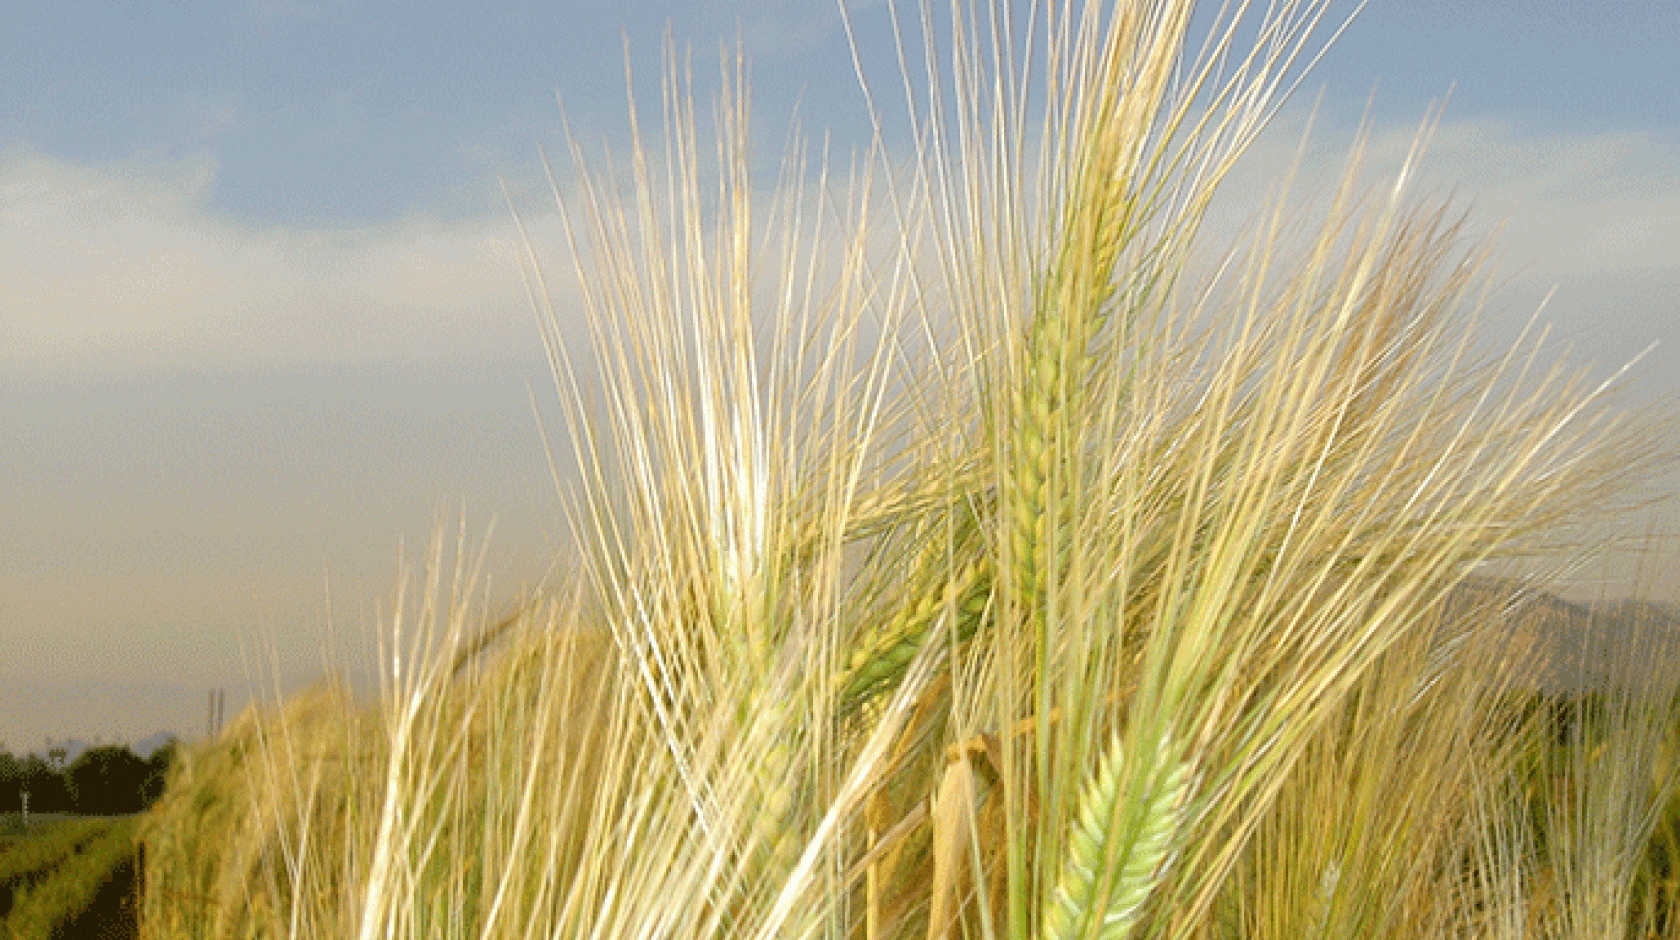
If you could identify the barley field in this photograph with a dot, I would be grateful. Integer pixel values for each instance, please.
(974, 549)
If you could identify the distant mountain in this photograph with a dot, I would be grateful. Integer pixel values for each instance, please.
(1569, 647)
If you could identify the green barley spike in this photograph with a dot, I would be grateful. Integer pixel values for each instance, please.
(1153, 809)
(883, 655)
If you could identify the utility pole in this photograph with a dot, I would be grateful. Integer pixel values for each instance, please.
(218, 705)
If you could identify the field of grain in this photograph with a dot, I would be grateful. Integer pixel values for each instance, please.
(972, 551)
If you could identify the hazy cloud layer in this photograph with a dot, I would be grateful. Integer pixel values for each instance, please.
(122, 267)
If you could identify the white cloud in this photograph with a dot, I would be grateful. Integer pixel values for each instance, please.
(123, 267)
(1571, 205)
(1595, 216)
(1577, 205)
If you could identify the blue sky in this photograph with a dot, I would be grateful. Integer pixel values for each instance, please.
(261, 320)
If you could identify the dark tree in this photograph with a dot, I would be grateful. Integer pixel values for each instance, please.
(108, 781)
(11, 778)
(49, 791)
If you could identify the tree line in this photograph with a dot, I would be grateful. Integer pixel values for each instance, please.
(102, 781)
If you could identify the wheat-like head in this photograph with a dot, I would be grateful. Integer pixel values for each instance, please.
(1125, 830)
